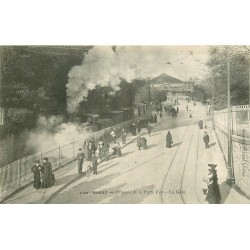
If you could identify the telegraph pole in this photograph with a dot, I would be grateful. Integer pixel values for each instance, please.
(213, 89)
(230, 174)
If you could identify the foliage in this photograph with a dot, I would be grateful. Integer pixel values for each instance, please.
(239, 74)
(201, 93)
(34, 82)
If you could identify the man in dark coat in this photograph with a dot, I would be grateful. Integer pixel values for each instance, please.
(139, 126)
(92, 146)
(133, 128)
(168, 140)
(36, 169)
(155, 118)
(47, 176)
(201, 124)
(206, 140)
(124, 135)
(144, 143)
(94, 163)
(139, 142)
(79, 158)
(106, 151)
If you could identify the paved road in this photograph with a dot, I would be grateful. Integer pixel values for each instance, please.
(157, 175)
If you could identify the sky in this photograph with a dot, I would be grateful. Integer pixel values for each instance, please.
(154, 60)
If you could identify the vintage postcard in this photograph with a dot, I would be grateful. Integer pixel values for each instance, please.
(124, 124)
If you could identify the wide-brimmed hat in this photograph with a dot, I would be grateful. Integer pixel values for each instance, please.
(212, 166)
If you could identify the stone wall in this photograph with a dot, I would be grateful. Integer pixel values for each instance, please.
(240, 157)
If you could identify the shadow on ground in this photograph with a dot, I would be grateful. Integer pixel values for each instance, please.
(224, 191)
(176, 144)
(152, 146)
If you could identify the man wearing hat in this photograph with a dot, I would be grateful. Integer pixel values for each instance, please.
(206, 139)
(79, 158)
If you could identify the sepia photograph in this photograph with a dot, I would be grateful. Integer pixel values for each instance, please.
(122, 124)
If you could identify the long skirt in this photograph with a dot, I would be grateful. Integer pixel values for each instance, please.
(37, 180)
(168, 144)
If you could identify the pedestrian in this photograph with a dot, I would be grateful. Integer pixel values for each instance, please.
(86, 150)
(206, 139)
(119, 151)
(187, 107)
(100, 148)
(36, 169)
(113, 135)
(92, 147)
(139, 127)
(169, 140)
(200, 124)
(139, 142)
(79, 157)
(213, 195)
(47, 176)
(149, 129)
(94, 163)
(177, 110)
(106, 151)
(152, 118)
(133, 128)
(190, 114)
(144, 143)
(155, 118)
(124, 135)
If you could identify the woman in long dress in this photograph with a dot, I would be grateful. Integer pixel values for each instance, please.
(168, 140)
(46, 173)
(36, 169)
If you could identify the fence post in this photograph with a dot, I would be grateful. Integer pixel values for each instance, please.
(59, 155)
(19, 163)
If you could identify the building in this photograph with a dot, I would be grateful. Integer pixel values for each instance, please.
(172, 85)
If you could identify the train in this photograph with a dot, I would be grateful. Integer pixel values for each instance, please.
(111, 118)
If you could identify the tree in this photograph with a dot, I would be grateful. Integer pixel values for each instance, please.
(34, 79)
(239, 79)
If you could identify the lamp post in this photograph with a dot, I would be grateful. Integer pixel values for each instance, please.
(230, 172)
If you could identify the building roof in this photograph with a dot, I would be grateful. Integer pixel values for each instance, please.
(164, 78)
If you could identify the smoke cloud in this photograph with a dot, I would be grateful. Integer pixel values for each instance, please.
(51, 133)
(103, 66)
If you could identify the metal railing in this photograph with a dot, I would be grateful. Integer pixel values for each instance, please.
(18, 174)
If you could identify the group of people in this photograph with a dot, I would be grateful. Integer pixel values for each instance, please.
(91, 161)
(43, 176)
